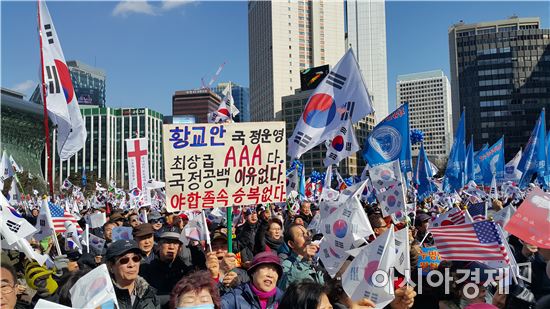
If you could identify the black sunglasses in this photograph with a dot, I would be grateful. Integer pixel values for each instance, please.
(125, 260)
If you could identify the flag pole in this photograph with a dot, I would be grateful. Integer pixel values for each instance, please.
(46, 120)
(229, 229)
(50, 221)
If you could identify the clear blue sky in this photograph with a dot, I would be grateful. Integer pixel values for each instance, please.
(149, 50)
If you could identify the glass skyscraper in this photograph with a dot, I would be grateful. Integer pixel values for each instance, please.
(500, 74)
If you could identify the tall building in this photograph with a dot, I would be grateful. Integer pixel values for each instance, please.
(194, 105)
(429, 97)
(293, 106)
(88, 83)
(241, 97)
(500, 73)
(105, 150)
(366, 34)
(285, 37)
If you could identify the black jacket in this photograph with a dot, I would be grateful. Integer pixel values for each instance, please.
(145, 296)
(164, 276)
(246, 238)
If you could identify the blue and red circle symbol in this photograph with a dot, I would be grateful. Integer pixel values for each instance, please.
(224, 111)
(334, 253)
(369, 271)
(65, 78)
(385, 175)
(320, 110)
(14, 212)
(392, 200)
(338, 143)
(340, 228)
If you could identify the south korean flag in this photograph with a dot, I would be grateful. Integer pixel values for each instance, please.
(342, 145)
(342, 96)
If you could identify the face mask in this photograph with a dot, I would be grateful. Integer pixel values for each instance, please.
(205, 306)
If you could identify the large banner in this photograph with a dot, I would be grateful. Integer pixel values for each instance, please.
(138, 163)
(219, 165)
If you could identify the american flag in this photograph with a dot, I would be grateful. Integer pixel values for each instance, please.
(59, 216)
(477, 211)
(451, 217)
(477, 241)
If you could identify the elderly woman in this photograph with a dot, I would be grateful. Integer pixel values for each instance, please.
(271, 238)
(196, 290)
(262, 291)
(132, 292)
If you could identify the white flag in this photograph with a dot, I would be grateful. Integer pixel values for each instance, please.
(14, 165)
(14, 196)
(511, 172)
(342, 95)
(494, 190)
(138, 162)
(60, 99)
(328, 193)
(341, 229)
(342, 145)
(196, 229)
(44, 304)
(387, 181)
(71, 235)
(503, 216)
(402, 255)
(359, 279)
(152, 184)
(93, 289)
(97, 220)
(96, 243)
(292, 181)
(12, 225)
(23, 245)
(6, 169)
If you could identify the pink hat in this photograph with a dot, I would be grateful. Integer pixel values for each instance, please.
(481, 306)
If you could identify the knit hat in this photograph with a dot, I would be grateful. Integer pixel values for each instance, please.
(266, 257)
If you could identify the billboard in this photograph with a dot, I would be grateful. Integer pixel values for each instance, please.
(310, 78)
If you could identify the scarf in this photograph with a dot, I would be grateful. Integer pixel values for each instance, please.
(273, 244)
(263, 296)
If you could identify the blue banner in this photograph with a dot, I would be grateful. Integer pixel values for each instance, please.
(478, 175)
(534, 157)
(423, 175)
(547, 176)
(492, 162)
(469, 165)
(390, 140)
(455, 174)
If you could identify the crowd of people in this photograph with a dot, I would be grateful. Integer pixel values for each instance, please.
(273, 263)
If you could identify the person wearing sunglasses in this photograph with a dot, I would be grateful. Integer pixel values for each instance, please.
(132, 291)
(8, 289)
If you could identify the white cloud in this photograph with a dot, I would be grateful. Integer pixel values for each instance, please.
(124, 8)
(25, 86)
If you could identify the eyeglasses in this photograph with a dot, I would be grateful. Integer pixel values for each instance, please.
(7, 289)
(125, 260)
(156, 221)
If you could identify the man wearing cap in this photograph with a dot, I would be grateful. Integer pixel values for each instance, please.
(156, 220)
(132, 291)
(223, 265)
(167, 268)
(117, 218)
(421, 224)
(143, 234)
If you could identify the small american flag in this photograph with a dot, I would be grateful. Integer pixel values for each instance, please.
(477, 241)
(59, 216)
(477, 211)
(451, 217)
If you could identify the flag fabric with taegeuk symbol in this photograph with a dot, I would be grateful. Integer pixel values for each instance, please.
(388, 183)
(61, 100)
(451, 217)
(342, 145)
(138, 162)
(341, 96)
(12, 225)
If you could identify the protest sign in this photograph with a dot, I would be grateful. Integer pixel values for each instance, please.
(428, 259)
(122, 232)
(94, 289)
(97, 220)
(219, 165)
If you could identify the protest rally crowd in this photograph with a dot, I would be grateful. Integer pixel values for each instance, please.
(392, 237)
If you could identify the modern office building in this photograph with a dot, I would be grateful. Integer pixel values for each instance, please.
(500, 74)
(429, 97)
(293, 106)
(241, 97)
(366, 34)
(88, 83)
(105, 150)
(285, 37)
(194, 105)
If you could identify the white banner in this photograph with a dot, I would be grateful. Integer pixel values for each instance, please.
(138, 162)
(219, 165)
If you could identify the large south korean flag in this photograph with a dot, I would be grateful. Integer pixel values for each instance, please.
(342, 95)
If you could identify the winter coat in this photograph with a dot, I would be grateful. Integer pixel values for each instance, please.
(245, 240)
(164, 276)
(242, 297)
(264, 242)
(296, 268)
(242, 277)
(145, 296)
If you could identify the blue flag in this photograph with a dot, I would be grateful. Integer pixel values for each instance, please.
(390, 140)
(478, 175)
(533, 160)
(492, 162)
(423, 175)
(547, 176)
(84, 179)
(469, 165)
(455, 173)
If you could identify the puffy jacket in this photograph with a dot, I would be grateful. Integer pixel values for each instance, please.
(246, 238)
(242, 297)
(145, 296)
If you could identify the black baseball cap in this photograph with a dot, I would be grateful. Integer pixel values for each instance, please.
(121, 247)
